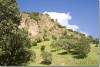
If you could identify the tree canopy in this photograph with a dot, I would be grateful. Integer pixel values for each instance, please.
(14, 43)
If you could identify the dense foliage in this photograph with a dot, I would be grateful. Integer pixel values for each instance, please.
(9, 10)
(14, 43)
(80, 47)
(65, 44)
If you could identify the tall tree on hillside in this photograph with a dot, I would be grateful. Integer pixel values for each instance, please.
(14, 43)
(9, 10)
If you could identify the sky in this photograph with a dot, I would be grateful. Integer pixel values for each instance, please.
(78, 15)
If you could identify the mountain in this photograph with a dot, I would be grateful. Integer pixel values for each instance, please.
(41, 27)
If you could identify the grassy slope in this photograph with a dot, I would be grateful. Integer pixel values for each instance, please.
(65, 59)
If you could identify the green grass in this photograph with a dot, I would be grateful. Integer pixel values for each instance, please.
(65, 59)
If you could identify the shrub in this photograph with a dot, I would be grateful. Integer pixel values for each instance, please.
(46, 58)
(35, 16)
(96, 41)
(42, 48)
(52, 20)
(34, 43)
(15, 48)
(64, 44)
(55, 45)
(33, 56)
(54, 37)
(82, 49)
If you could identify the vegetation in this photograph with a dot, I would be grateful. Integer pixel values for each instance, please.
(61, 44)
(14, 43)
(61, 58)
(43, 48)
(46, 56)
(96, 41)
(34, 43)
(9, 10)
(53, 45)
(82, 49)
(35, 16)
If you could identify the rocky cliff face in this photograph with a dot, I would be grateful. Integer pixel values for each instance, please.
(42, 27)
(29, 24)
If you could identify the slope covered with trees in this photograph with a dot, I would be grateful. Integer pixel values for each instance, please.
(36, 38)
(42, 28)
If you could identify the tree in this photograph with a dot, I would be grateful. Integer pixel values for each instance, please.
(9, 10)
(96, 41)
(93, 40)
(65, 44)
(46, 56)
(14, 43)
(90, 38)
(82, 48)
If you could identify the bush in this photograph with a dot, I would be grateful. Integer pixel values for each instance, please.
(55, 45)
(15, 48)
(33, 56)
(46, 58)
(52, 20)
(38, 39)
(82, 49)
(54, 37)
(34, 43)
(96, 41)
(35, 16)
(42, 48)
(65, 44)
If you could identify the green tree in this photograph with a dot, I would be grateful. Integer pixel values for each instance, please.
(96, 41)
(46, 56)
(90, 38)
(82, 48)
(9, 10)
(65, 44)
(14, 43)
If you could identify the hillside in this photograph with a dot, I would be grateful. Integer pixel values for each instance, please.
(30, 39)
(42, 27)
(56, 43)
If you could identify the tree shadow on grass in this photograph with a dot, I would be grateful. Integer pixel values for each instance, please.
(53, 50)
(79, 57)
(63, 53)
(73, 53)
(46, 62)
